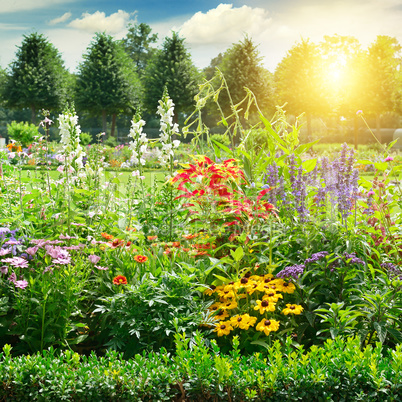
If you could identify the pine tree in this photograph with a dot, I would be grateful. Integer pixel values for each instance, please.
(107, 82)
(171, 67)
(36, 78)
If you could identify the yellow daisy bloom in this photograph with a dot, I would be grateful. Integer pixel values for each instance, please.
(272, 296)
(221, 315)
(267, 326)
(223, 328)
(215, 307)
(209, 291)
(230, 305)
(288, 287)
(294, 309)
(264, 305)
(243, 321)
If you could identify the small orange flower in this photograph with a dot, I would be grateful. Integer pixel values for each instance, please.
(190, 236)
(106, 236)
(141, 258)
(152, 238)
(120, 280)
(176, 244)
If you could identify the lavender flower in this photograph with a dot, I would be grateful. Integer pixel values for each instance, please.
(353, 259)
(316, 257)
(21, 284)
(393, 270)
(12, 278)
(101, 268)
(17, 262)
(4, 269)
(94, 259)
(293, 271)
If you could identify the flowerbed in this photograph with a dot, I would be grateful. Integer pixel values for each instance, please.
(251, 247)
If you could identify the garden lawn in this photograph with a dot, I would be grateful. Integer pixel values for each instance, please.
(152, 178)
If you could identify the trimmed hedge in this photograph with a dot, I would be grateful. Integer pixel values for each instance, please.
(338, 371)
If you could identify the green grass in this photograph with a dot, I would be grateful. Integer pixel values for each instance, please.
(152, 178)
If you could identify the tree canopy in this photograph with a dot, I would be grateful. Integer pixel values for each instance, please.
(107, 82)
(137, 44)
(300, 81)
(171, 67)
(36, 78)
(242, 67)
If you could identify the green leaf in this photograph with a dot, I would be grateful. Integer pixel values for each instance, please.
(224, 147)
(381, 330)
(309, 165)
(261, 343)
(238, 254)
(381, 166)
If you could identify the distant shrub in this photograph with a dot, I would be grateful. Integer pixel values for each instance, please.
(22, 132)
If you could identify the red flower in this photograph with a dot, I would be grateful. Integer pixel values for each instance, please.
(141, 258)
(120, 280)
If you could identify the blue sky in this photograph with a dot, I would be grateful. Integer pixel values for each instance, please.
(209, 26)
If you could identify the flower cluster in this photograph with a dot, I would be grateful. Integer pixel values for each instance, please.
(253, 298)
(167, 130)
(138, 145)
(293, 271)
(73, 153)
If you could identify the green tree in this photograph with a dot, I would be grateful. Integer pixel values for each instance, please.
(384, 77)
(37, 78)
(345, 77)
(171, 67)
(137, 44)
(242, 67)
(299, 81)
(107, 83)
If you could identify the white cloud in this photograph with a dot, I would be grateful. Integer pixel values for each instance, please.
(98, 22)
(63, 18)
(12, 6)
(225, 25)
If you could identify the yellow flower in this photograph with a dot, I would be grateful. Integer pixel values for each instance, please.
(221, 315)
(243, 321)
(226, 291)
(230, 305)
(272, 296)
(292, 309)
(267, 326)
(223, 328)
(288, 287)
(242, 283)
(264, 305)
(215, 307)
(209, 291)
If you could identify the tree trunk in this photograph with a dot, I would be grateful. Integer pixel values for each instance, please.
(33, 114)
(104, 121)
(112, 129)
(378, 127)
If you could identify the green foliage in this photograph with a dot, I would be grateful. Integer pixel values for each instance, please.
(146, 316)
(107, 82)
(242, 67)
(85, 138)
(137, 44)
(337, 371)
(110, 142)
(24, 133)
(171, 68)
(299, 81)
(36, 79)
